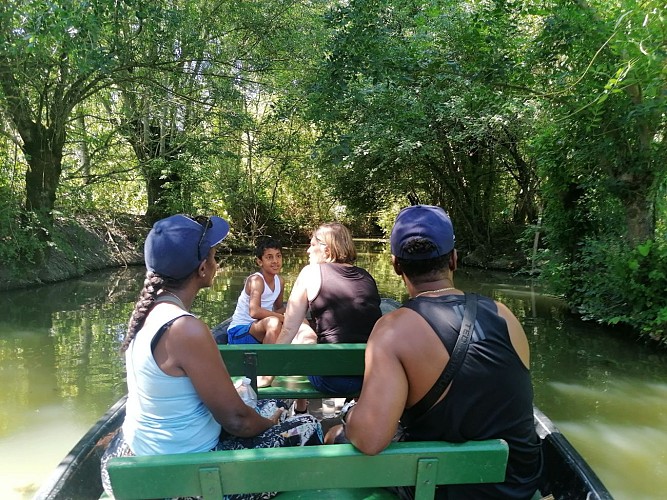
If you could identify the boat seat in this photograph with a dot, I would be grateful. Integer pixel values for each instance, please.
(311, 472)
(290, 364)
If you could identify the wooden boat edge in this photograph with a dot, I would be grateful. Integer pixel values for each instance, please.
(566, 474)
(78, 474)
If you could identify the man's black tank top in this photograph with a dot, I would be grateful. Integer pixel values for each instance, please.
(347, 305)
(490, 397)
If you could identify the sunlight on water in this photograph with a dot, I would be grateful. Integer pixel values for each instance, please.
(621, 428)
(27, 456)
(630, 460)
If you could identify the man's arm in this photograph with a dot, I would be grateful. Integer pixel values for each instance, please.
(372, 423)
(516, 332)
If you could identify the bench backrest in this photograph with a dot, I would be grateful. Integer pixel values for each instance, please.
(211, 475)
(289, 359)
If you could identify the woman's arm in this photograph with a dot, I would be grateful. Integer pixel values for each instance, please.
(297, 305)
(191, 348)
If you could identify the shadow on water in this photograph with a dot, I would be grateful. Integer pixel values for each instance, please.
(60, 369)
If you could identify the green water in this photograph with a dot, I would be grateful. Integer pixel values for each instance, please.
(60, 369)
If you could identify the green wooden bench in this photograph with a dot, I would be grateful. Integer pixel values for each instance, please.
(290, 363)
(313, 472)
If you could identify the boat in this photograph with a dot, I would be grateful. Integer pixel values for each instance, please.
(566, 475)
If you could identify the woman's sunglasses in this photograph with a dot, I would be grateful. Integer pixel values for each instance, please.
(206, 224)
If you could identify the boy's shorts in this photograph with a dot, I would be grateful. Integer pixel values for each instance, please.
(337, 386)
(240, 334)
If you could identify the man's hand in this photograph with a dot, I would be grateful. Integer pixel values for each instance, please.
(336, 435)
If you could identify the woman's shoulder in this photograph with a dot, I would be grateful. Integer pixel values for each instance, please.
(310, 269)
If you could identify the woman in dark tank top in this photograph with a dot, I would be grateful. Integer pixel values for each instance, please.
(344, 301)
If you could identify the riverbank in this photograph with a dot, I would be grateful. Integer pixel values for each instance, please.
(94, 242)
(88, 243)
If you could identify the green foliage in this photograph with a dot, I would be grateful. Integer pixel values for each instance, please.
(410, 100)
(282, 114)
(604, 127)
(615, 284)
(19, 244)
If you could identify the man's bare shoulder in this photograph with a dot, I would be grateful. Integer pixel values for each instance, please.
(392, 324)
(506, 313)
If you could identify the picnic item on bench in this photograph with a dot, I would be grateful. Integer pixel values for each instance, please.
(247, 393)
(328, 408)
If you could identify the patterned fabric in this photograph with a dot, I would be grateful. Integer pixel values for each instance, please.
(299, 430)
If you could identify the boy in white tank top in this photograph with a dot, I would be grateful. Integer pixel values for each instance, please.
(258, 317)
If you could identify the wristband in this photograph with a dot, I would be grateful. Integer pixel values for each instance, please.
(346, 409)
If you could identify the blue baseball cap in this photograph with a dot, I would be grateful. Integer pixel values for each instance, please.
(175, 246)
(423, 222)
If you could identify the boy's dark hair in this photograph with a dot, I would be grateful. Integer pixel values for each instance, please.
(265, 243)
(424, 270)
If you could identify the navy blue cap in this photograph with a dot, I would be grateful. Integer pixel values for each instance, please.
(174, 247)
(423, 222)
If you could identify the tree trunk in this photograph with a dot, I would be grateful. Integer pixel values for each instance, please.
(82, 152)
(44, 156)
(160, 189)
(636, 195)
(640, 218)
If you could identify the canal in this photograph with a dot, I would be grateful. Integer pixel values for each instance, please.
(60, 369)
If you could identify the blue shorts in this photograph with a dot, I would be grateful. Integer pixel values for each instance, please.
(240, 334)
(337, 386)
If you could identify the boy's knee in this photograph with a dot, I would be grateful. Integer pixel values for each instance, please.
(273, 323)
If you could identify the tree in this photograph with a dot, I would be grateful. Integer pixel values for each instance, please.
(414, 98)
(602, 68)
(54, 57)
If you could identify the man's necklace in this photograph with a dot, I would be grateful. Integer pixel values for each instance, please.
(434, 291)
(178, 301)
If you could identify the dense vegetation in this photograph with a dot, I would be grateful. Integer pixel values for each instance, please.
(535, 123)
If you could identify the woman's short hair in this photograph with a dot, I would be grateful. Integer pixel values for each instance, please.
(338, 240)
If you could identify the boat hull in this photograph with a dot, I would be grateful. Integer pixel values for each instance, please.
(77, 477)
(566, 476)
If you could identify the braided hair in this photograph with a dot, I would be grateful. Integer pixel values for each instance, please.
(153, 283)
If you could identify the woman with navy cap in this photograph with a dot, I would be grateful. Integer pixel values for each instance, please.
(181, 398)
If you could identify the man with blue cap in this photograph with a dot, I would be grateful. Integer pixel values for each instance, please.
(448, 365)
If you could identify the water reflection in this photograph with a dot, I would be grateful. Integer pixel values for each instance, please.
(60, 369)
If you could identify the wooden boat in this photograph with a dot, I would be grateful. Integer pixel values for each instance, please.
(566, 474)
